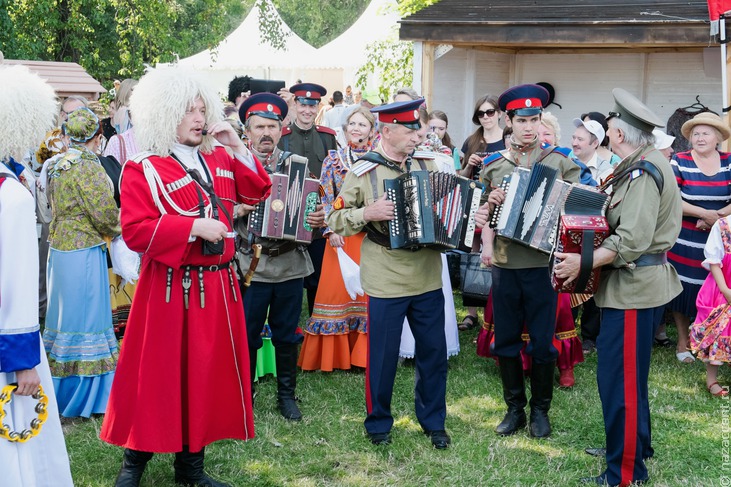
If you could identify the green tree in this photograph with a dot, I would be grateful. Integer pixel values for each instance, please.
(319, 22)
(391, 60)
(114, 38)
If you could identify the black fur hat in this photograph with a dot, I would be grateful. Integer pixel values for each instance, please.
(237, 86)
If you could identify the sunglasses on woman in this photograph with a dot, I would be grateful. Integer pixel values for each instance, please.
(489, 113)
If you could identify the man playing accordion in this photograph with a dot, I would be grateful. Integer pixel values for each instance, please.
(522, 291)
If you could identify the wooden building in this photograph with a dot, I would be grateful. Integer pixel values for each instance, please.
(660, 50)
(66, 78)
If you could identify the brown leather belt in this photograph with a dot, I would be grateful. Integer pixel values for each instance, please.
(281, 249)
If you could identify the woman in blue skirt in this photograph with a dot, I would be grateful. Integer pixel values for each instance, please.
(79, 338)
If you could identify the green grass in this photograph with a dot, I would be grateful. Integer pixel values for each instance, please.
(330, 448)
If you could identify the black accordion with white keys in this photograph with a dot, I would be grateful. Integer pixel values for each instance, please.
(432, 209)
(532, 207)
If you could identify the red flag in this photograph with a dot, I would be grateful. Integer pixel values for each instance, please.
(715, 9)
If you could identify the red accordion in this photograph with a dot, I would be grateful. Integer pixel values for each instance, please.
(582, 228)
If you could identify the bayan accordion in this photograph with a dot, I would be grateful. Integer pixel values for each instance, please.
(583, 227)
(283, 216)
(432, 209)
(530, 213)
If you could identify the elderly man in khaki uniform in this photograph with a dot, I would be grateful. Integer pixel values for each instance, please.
(644, 216)
(400, 283)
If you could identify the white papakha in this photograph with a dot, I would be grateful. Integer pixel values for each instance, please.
(28, 109)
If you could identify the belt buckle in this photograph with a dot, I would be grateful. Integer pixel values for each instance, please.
(274, 252)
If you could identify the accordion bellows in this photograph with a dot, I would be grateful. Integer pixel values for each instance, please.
(582, 229)
(550, 215)
(533, 199)
(432, 209)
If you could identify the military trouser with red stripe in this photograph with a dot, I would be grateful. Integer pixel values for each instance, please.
(385, 323)
(624, 347)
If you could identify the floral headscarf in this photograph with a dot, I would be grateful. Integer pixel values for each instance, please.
(81, 125)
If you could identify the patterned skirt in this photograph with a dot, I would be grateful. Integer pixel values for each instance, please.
(336, 333)
(79, 337)
(710, 339)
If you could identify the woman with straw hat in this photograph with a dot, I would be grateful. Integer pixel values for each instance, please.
(704, 178)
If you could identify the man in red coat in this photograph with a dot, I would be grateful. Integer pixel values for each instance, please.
(182, 380)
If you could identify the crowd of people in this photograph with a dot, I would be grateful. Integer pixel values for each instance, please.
(156, 283)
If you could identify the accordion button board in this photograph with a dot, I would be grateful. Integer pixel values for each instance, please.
(433, 209)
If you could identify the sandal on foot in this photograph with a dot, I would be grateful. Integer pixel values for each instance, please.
(685, 357)
(721, 391)
(469, 322)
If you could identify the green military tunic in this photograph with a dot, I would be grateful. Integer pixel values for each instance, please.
(384, 273)
(642, 221)
(309, 143)
(289, 265)
(507, 253)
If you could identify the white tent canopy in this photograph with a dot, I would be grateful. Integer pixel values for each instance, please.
(348, 50)
(334, 65)
(244, 48)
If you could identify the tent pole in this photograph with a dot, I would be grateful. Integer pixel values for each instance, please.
(724, 74)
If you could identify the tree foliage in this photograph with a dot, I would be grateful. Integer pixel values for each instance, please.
(117, 38)
(391, 61)
(319, 22)
(114, 38)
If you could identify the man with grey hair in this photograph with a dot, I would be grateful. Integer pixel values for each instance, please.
(400, 283)
(584, 143)
(644, 217)
(276, 290)
(70, 104)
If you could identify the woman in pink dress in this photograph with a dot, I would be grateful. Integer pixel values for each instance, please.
(710, 335)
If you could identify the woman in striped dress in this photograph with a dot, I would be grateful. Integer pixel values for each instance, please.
(703, 175)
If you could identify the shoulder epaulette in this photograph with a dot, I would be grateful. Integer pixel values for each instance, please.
(565, 151)
(325, 130)
(286, 131)
(363, 167)
(492, 158)
(141, 156)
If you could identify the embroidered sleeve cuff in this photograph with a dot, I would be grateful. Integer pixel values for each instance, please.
(20, 351)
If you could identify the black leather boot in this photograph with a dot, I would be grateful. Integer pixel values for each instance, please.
(541, 387)
(133, 466)
(511, 373)
(286, 357)
(189, 470)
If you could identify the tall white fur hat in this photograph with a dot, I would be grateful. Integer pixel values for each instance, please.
(28, 109)
(159, 102)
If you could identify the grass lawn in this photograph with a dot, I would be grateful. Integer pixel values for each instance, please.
(330, 448)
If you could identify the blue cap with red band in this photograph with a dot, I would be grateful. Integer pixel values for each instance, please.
(404, 113)
(308, 93)
(265, 105)
(524, 99)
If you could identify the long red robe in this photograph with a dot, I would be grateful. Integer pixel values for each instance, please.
(183, 374)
